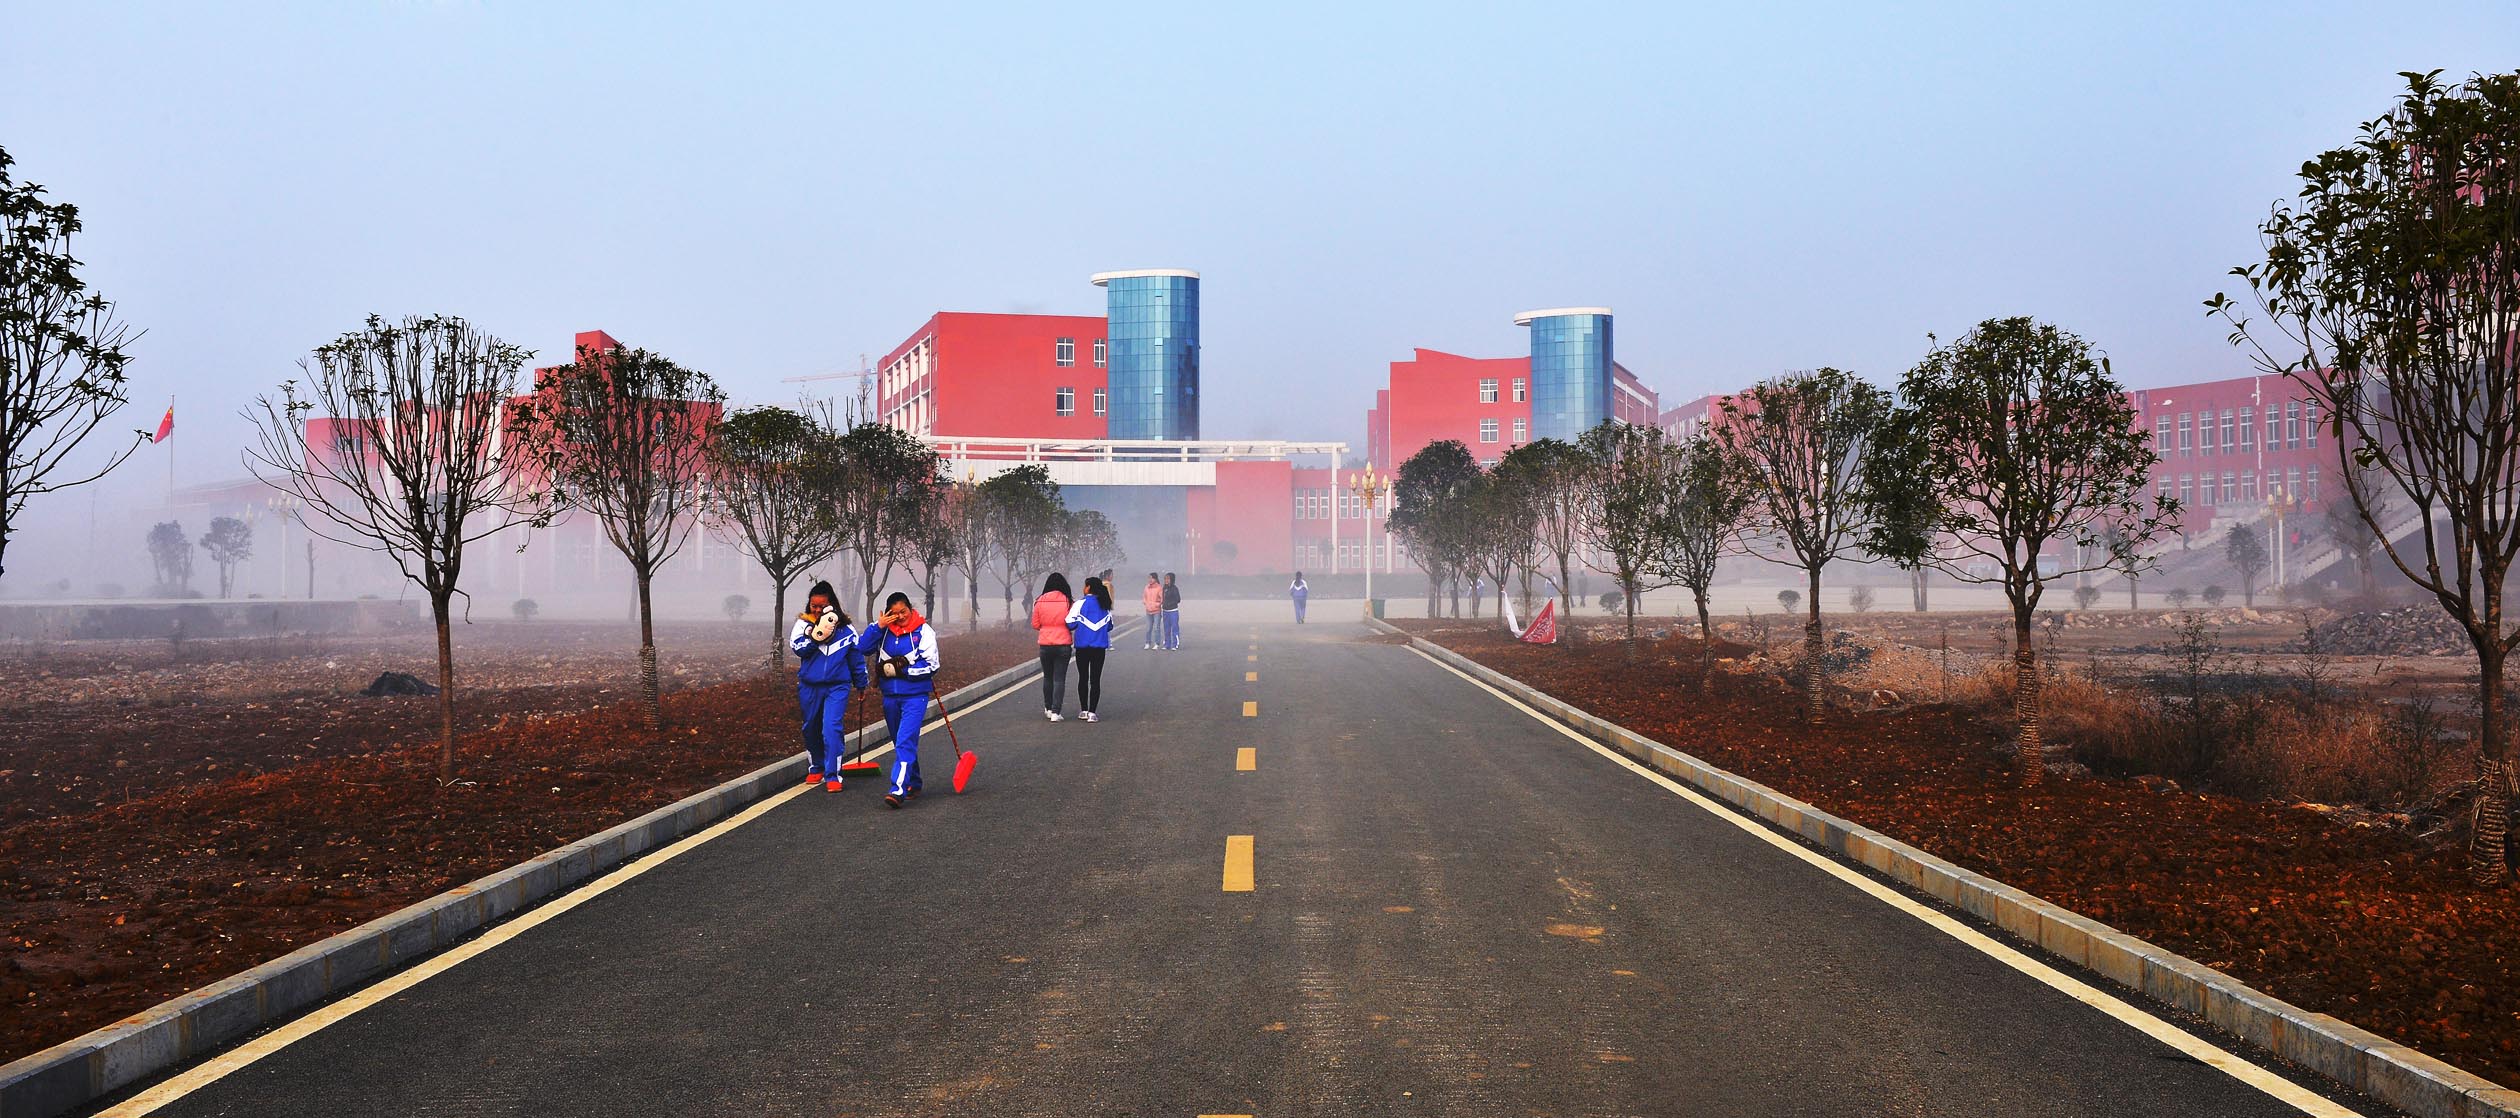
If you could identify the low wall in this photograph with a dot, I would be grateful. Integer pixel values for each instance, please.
(155, 620)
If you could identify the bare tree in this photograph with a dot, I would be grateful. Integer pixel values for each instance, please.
(962, 519)
(1557, 487)
(395, 441)
(2345, 524)
(622, 435)
(773, 477)
(2389, 292)
(229, 541)
(932, 545)
(61, 353)
(1804, 436)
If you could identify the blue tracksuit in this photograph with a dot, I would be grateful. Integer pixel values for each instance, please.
(1301, 592)
(906, 695)
(826, 674)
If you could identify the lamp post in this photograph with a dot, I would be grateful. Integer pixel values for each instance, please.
(1191, 540)
(1369, 487)
(283, 508)
(2279, 501)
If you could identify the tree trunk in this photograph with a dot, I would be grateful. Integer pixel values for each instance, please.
(1706, 638)
(1566, 589)
(1814, 645)
(974, 579)
(2032, 750)
(2486, 855)
(439, 607)
(1627, 590)
(2130, 593)
(648, 697)
(778, 623)
(1916, 586)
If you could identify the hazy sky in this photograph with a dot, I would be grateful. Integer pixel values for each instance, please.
(1752, 188)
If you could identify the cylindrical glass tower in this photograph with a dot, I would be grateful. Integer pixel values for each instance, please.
(1570, 370)
(1153, 318)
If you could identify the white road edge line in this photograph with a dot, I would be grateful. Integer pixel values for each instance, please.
(235, 1059)
(2188, 1044)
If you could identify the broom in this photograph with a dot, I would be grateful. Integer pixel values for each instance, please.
(964, 759)
(859, 766)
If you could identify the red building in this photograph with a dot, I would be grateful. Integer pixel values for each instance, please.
(2228, 447)
(1484, 402)
(1008, 376)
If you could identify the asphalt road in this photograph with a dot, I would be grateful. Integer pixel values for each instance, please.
(1454, 910)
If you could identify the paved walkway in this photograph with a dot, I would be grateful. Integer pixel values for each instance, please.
(1450, 909)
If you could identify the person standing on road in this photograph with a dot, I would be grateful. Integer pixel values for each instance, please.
(1301, 592)
(1154, 599)
(1475, 584)
(1050, 631)
(829, 670)
(1091, 619)
(1172, 614)
(906, 659)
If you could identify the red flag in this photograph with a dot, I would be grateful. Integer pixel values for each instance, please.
(1543, 628)
(166, 426)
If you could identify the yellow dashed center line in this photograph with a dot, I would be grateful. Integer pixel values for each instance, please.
(1246, 759)
(1238, 863)
(1251, 708)
(1251, 677)
(1254, 657)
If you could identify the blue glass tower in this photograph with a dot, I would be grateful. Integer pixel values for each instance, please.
(1154, 330)
(1570, 370)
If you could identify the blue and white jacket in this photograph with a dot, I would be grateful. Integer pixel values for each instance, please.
(1090, 622)
(918, 646)
(833, 662)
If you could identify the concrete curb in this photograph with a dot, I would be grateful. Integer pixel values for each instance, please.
(191, 1027)
(2369, 1063)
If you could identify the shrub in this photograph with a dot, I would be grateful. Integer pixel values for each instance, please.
(1861, 598)
(525, 609)
(736, 606)
(2215, 594)
(1789, 599)
(1612, 600)
(2086, 596)
(2180, 596)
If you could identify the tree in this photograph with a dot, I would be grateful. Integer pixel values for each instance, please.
(1431, 512)
(932, 543)
(2180, 596)
(2214, 594)
(230, 541)
(395, 442)
(61, 353)
(1021, 508)
(1634, 474)
(1860, 599)
(170, 553)
(1090, 542)
(774, 475)
(623, 436)
(2246, 555)
(2125, 557)
(963, 523)
(2389, 293)
(735, 606)
(1804, 436)
(2344, 524)
(2087, 596)
(1788, 598)
(1556, 478)
(884, 506)
(1504, 547)
(1711, 496)
(2031, 444)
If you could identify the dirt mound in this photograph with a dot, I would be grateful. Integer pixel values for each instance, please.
(2417, 630)
(399, 683)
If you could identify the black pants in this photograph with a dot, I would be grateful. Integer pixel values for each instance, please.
(1089, 664)
(1054, 661)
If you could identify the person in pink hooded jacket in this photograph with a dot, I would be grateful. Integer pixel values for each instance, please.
(1049, 622)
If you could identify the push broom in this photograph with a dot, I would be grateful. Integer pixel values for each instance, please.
(855, 764)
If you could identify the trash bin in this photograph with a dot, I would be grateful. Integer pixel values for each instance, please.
(1374, 606)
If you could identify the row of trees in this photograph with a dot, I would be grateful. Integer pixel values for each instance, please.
(230, 541)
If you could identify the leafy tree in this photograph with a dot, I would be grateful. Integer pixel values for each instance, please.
(2180, 596)
(2031, 444)
(408, 458)
(1710, 500)
(524, 609)
(1556, 479)
(623, 436)
(774, 479)
(2346, 526)
(736, 606)
(2126, 559)
(2214, 594)
(1432, 513)
(933, 543)
(1086, 541)
(1635, 479)
(1804, 437)
(61, 353)
(2246, 555)
(170, 553)
(230, 541)
(2389, 292)
(884, 509)
(1504, 547)
(1020, 508)
(1788, 598)
(2087, 596)
(962, 526)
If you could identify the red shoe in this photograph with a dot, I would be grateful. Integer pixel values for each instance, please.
(815, 777)
(832, 785)
(891, 800)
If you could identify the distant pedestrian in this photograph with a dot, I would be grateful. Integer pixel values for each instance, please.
(1090, 619)
(1153, 597)
(1172, 614)
(1050, 631)
(1475, 585)
(906, 659)
(1301, 592)
(829, 669)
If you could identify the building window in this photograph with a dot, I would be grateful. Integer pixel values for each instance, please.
(2230, 488)
(2164, 488)
(1067, 401)
(2248, 428)
(2310, 485)
(2292, 485)
(2187, 432)
(1102, 399)
(1300, 510)
(2161, 434)
(1522, 389)
(1066, 351)
(2227, 444)
(2292, 424)
(1102, 354)
(2274, 434)
(1487, 392)
(347, 446)
(1487, 427)
(2310, 424)
(2248, 483)
(2187, 490)
(1522, 430)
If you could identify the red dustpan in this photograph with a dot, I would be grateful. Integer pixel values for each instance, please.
(861, 766)
(964, 759)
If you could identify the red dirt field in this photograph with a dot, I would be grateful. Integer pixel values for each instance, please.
(110, 908)
(2364, 924)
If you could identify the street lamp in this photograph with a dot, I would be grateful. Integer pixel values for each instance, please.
(283, 508)
(1191, 538)
(2279, 501)
(1369, 487)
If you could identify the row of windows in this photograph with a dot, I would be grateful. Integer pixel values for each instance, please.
(2206, 433)
(1522, 429)
(1065, 401)
(2194, 490)
(1063, 351)
(1315, 504)
(1487, 390)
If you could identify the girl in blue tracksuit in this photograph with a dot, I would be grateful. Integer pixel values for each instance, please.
(827, 673)
(1090, 620)
(903, 646)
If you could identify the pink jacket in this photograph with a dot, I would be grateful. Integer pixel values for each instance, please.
(1154, 597)
(1049, 619)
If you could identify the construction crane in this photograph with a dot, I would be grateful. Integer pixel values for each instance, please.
(863, 408)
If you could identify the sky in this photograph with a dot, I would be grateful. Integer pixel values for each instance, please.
(765, 192)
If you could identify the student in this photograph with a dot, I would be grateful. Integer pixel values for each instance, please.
(828, 671)
(1475, 585)
(1050, 631)
(1091, 619)
(1153, 596)
(906, 659)
(1300, 592)
(1172, 614)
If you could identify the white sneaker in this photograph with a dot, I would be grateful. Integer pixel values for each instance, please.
(1054, 715)
(1089, 717)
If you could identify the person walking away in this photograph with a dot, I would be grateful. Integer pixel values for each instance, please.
(1090, 619)
(1172, 614)
(1154, 599)
(1300, 591)
(1475, 584)
(906, 658)
(829, 670)
(1050, 631)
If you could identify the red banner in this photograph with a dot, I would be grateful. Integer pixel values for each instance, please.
(1543, 628)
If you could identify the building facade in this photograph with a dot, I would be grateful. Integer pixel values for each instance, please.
(1154, 331)
(1571, 358)
(999, 376)
(1489, 404)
